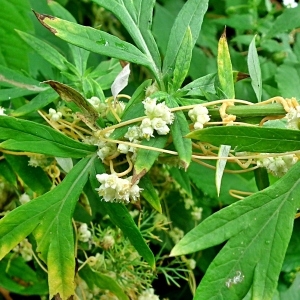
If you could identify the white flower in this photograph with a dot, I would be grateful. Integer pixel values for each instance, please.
(2, 110)
(290, 3)
(160, 126)
(147, 129)
(197, 213)
(293, 118)
(24, 198)
(84, 234)
(107, 150)
(123, 148)
(54, 115)
(133, 133)
(149, 105)
(199, 115)
(94, 101)
(176, 234)
(148, 295)
(191, 264)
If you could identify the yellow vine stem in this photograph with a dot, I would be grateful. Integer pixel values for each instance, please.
(129, 169)
(2, 157)
(39, 262)
(238, 194)
(297, 215)
(17, 153)
(112, 108)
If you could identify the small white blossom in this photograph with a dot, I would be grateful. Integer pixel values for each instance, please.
(107, 242)
(293, 118)
(133, 133)
(278, 165)
(148, 295)
(107, 150)
(54, 115)
(199, 115)
(123, 148)
(24, 198)
(149, 105)
(290, 3)
(25, 249)
(2, 111)
(197, 213)
(84, 234)
(160, 126)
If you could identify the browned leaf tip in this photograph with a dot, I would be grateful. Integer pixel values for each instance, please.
(224, 33)
(42, 17)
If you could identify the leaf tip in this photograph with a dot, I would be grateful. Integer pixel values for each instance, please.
(42, 18)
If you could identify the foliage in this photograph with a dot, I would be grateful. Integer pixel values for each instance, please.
(98, 188)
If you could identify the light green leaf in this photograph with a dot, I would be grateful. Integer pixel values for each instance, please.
(220, 167)
(200, 85)
(191, 15)
(150, 193)
(258, 229)
(225, 73)
(45, 50)
(45, 216)
(12, 93)
(183, 60)
(145, 158)
(94, 40)
(104, 282)
(254, 70)
(36, 103)
(253, 139)
(179, 129)
(23, 135)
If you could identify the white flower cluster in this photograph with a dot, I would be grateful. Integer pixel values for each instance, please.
(25, 249)
(158, 118)
(24, 198)
(290, 3)
(54, 115)
(133, 134)
(148, 295)
(279, 165)
(293, 118)
(2, 111)
(113, 188)
(84, 234)
(199, 115)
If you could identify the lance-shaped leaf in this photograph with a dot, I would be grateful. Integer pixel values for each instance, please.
(191, 15)
(49, 218)
(121, 217)
(136, 16)
(252, 139)
(220, 167)
(225, 74)
(179, 129)
(183, 60)
(121, 81)
(258, 229)
(254, 70)
(23, 135)
(94, 40)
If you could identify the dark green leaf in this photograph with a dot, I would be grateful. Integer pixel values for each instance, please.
(150, 193)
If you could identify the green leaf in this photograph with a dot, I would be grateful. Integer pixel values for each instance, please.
(288, 20)
(120, 216)
(29, 174)
(182, 178)
(201, 85)
(36, 103)
(17, 277)
(191, 15)
(225, 73)
(136, 16)
(150, 193)
(253, 139)
(254, 70)
(12, 93)
(93, 40)
(179, 129)
(220, 167)
(22, 135)
(104, 282)
(145, 158)
(258, 229)
(49, 53)
(45, 216)
(183, 60)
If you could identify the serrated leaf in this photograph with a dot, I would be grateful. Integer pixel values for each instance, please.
(93, 40)
(121, 217)
(23, 135)
(150, 193)
(254, 70)
(258, 229)
(220, 167)
(45, 216)
(104, 282)
(179, 129)
(225, 73)
(252, 139)
(191, 15)
(183, 60)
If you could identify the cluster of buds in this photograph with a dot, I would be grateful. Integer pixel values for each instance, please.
(133, 134)
(279, 165)
(148, 295)
(158, 118)
(113, 188)
(199, 115)
(84, 234)
(54, 115)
